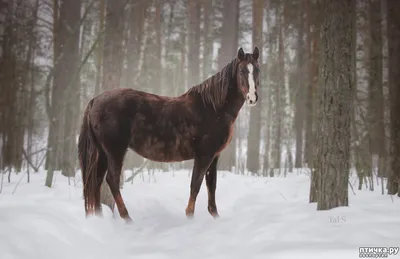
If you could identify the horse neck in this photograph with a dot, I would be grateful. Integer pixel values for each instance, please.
(234, 103)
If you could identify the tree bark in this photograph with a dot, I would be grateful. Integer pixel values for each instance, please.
(207, 38)
(66, 19)
(254, 137)
(229, 43)
(393, 29)
(279, 91)
(71, 17)
(300, 90)
(113, 51)
(268, 92)
(312, 72)
(194, 43)
(375, 104)
(100, 48)
(112, 68)
(333, 150)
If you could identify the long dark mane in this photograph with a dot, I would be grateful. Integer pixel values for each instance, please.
(214, 90)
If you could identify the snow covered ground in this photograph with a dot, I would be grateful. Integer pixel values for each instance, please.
(260, 218)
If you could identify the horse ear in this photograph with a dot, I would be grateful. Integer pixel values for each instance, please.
(256, 53)
(240, 54)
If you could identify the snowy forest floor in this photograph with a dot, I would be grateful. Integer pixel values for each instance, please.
(260, 218)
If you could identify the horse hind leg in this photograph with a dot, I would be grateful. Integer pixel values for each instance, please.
(101, 171)
(113, 181)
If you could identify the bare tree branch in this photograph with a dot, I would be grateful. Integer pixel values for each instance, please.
(138, 171)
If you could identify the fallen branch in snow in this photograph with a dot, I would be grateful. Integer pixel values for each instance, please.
(282, 196)
(138, 171)
(351, 186)
(16, 186)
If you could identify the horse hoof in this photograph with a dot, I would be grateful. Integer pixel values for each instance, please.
(98, 213)
(189, 214)
(213, 212)
(128, 220)
(215, 215)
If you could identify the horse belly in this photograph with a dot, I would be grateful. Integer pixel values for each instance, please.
(158, 150)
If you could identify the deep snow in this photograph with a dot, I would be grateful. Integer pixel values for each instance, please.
(260, 218)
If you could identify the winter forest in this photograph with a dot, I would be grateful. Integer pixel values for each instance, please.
(315, 160)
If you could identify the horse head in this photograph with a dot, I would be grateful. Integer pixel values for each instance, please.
(248, 75)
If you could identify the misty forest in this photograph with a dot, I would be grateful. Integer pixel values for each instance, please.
(313, 161)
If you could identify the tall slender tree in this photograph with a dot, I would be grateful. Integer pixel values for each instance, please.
(375, 83)
(207, 37)
(300, 88)
(253, 142)
(194, 8)
(312, 72)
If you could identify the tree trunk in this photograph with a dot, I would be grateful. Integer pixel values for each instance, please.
(229, 43)
(65, 39)
(311, 85)
(207, 39)
(193, 43)
(300, 90)
(279, 90)
(112, 68)
(134, 44)
(8, 85)
(393, 29)
(113, 51)
(333, 150)
(268, 92)
(158, 47)
(71, 17)
(315, 63)
(100, 48)
(355, 152)
(253, 142)
(375, 104)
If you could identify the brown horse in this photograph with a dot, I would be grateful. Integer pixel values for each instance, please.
(195, 125)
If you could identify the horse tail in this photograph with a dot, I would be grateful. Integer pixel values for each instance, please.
(88, 151)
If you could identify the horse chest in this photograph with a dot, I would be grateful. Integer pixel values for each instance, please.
(226, 137)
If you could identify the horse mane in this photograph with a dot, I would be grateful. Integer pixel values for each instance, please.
(214, 90)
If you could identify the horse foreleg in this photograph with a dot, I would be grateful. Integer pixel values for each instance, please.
(201, 164)
(211, 181)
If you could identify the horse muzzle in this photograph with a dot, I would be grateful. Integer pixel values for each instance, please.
(251, 99)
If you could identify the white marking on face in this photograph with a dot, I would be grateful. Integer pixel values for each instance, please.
(251, 96)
